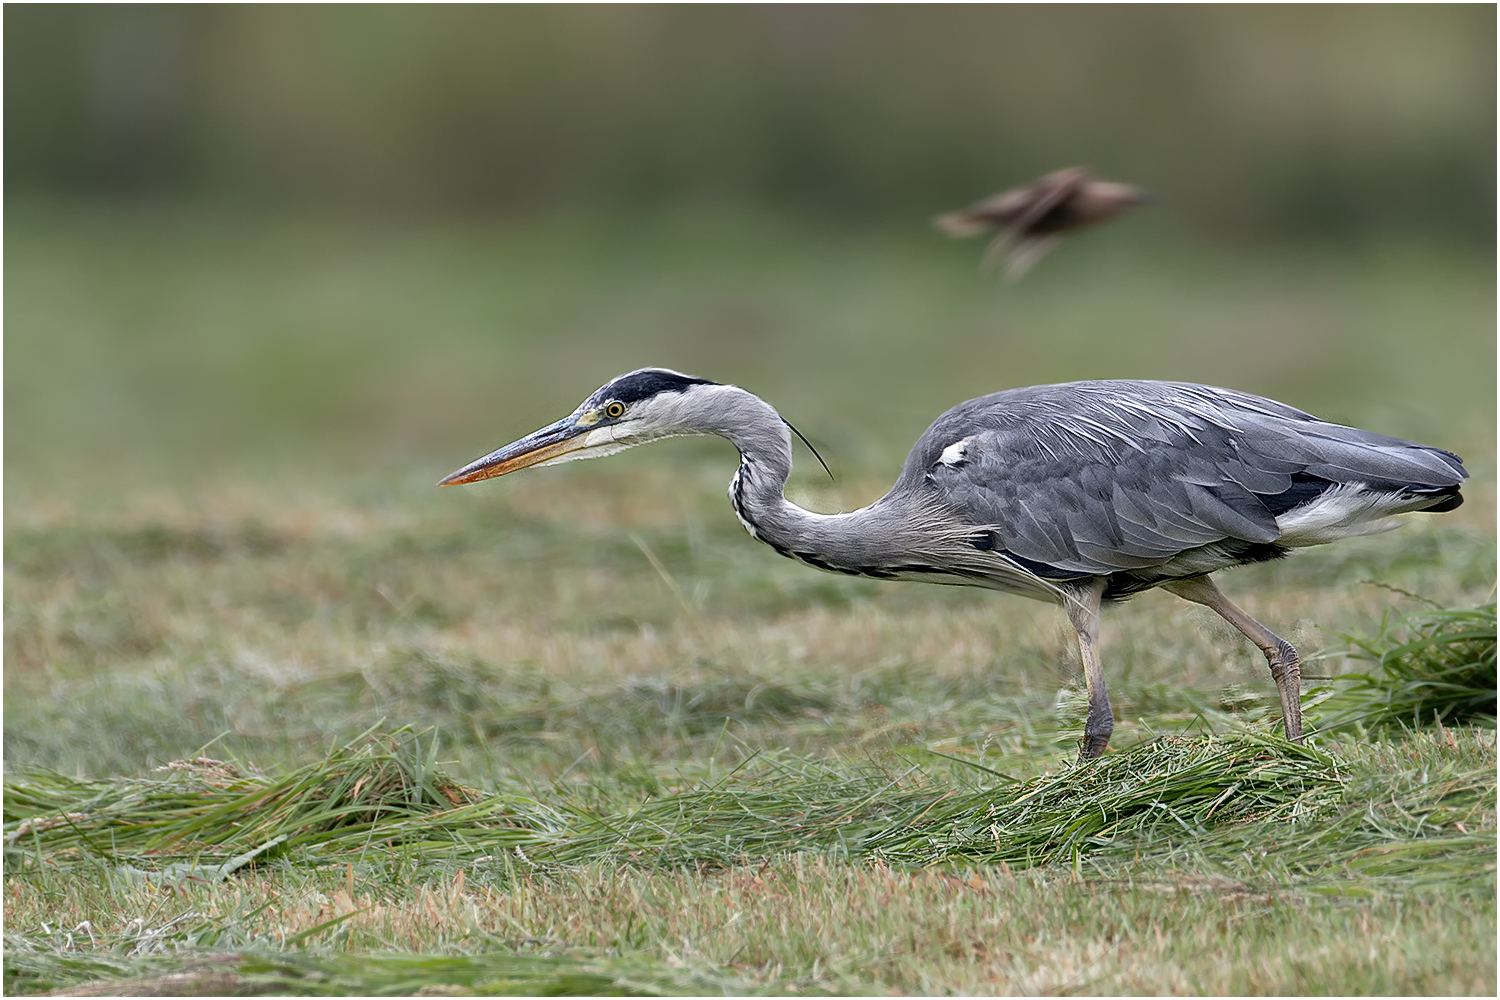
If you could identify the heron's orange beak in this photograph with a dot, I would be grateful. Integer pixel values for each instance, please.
(549, 443)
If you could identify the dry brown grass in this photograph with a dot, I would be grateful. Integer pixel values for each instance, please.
(818, 925)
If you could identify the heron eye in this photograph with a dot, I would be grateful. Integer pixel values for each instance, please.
(614, 409)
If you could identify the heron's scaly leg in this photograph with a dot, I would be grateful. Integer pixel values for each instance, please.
(1082, 605)
(1286, 668)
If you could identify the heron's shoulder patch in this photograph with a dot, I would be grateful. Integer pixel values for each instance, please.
(955, 454)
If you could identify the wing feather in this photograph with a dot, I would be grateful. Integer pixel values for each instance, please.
(1096, 477)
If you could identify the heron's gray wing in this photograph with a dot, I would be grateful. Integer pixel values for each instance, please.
(1347, 454)
(1094, 478)
(1088, 509)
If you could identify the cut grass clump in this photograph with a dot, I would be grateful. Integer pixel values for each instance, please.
(1183, 787)
(1163, 791)
(205, 808)
(1430, 667)
(1271, 808)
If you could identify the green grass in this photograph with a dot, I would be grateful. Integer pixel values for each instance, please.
(1430, 667)
(208, 818)
(374, 834)
(802, 925)
(574, 731)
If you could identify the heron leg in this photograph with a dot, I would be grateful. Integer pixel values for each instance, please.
(1286, 668)
(1082, 605)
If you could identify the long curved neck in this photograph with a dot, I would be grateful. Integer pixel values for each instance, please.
(853, 542)
(908, 534)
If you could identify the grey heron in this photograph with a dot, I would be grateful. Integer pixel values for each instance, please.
(1031, 219)
(1077, 494)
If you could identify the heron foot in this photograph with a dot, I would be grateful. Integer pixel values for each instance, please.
(1093, 745)
(1286, 670)
(1099, 724)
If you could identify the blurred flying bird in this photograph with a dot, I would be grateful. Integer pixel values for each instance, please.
(1031, 220)
(1077, 494)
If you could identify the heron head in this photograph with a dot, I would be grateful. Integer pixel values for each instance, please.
(633, 409)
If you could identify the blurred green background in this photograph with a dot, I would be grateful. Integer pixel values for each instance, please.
(289, 243)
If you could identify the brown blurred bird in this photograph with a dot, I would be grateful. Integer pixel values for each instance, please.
(1032, 219)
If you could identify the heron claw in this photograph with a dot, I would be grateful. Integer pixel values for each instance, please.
(1092, 746)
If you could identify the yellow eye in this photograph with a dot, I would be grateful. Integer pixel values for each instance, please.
(614, 409)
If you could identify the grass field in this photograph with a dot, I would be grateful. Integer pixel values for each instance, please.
(575, 732)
